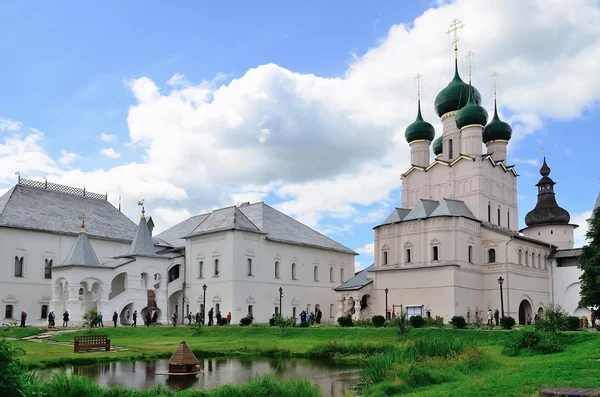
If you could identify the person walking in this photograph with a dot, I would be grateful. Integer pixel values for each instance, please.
(219, 317)
(50, 319)
(100, 322)
(319, 316)
(228, 318)
(189, 317)
(23, 318)
(497, 316)
(115, 318)
(65, 319)
(148, 319)
(174, 317)
(489, 317)
(210, 316)
(198, 318)
(134, 319)
(155, 317)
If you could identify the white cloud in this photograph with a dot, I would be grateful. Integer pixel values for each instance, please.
(359, 266)
(367, 250)
(581, 220)
(533, 162)
(109, 153)
(67, 158)
(165, 217)
(107, 137)
(328, 147)
(9, 125)
(24, 154)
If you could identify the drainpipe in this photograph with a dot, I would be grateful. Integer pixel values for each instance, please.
(506, 276)
(183, 295)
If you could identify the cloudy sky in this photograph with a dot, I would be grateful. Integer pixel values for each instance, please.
(302, 105)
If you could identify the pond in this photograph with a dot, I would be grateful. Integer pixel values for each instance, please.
(332, 379)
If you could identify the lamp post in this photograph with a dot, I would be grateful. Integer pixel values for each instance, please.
(280, 296)
(500, 282)
(204, 305)
(386, 304)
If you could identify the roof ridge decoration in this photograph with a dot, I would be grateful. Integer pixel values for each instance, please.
(62, 189)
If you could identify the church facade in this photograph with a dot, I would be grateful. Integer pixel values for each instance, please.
(70, 250)
(453, 248)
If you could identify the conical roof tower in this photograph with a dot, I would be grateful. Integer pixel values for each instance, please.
(547, 211)
(142, 243)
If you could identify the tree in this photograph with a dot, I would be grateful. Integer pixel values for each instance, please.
(91, 319)
(589, 263)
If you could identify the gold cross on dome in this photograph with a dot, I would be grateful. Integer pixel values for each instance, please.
(454, 27)
(418, 78)
(469, 57)
(495, 82)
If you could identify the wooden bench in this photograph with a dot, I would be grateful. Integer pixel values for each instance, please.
(91, 342)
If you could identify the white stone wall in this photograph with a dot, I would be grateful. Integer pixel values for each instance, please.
(234, 289)
(566, 286)
(30, 292)
(559, 235)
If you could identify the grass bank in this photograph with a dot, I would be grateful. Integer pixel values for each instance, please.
(472, 365)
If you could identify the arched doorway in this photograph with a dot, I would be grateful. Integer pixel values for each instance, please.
(525, 312)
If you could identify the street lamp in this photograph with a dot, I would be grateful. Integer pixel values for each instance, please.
(204, 305)
(386, 304)
(280, 296)
(500, 282)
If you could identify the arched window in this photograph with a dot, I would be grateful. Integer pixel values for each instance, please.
(8, 311)
(331, 311)
(546, 262)
(249, 266)
(44, 311)
(520, 257)
(408, 258)
(385, 257)
(508, 219)
(48, 269)
(499, 216)
(250, 310)
(526, 258)
(201, 269)
(342, 275)
(18, 266)
(293, 272)
(216, 267)
(540, 264)
(277, 269)
(533, 259)
(470, 254)
(450, 149)
(276, 311)
(316, 273)
(436, 253)
(294, 312)
(489, 212)
(491, 255)
(174, 273)
(331, 274)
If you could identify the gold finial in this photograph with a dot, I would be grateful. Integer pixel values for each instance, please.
(469, 57)
(495, 82)
(454, 27)
(141, 204)
(82, 219)
(543, 151)
(418, 78)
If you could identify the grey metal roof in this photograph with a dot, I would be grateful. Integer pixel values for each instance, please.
(82, 253)
(397, 215)
(228, 218)
(27, 207)
(142, 242)
(357, 282)
(513, 234)
(429, 209)
(567, 253)
(277, 226)
(422, 210)
(449, 207)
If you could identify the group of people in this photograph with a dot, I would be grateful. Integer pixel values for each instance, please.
(311, 318)
(51, 319)
(493, 317)
(211, 317)
(148, 318)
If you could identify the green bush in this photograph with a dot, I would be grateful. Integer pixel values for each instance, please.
(285, 322)
(573, 323)
(92, 318)
(554, 320)
(378, 321)
(12, 371)
(272, 322)
(363, 323)
(345, 321)
(436, 321)
(417, 321)
(402, 323)
(245, 321)
(459, 322)
(534, 342)
(507, 322)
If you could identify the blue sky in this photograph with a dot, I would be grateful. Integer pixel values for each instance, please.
(74, 70)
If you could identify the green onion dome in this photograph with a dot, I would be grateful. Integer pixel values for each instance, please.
(471, 114)
(455, 95)
(437, 146)
(419, 129)
(497, 129)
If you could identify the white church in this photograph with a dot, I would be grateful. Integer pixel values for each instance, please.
(453, 248)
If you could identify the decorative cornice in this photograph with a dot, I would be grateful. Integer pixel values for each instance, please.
(449, 114)
(471, 125)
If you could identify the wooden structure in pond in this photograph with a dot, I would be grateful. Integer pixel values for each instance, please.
(183, 362)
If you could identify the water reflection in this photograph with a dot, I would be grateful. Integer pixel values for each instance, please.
(333, 380)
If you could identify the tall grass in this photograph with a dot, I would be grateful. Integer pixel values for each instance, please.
(334, 348)
(63, 385)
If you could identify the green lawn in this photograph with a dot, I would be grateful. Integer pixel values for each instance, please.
(18, 332)
(505, 376)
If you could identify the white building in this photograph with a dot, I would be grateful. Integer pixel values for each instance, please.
(242, 254)
(446, 250)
